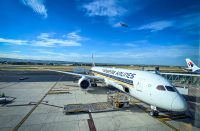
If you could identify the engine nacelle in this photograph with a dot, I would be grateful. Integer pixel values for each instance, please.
(84, 83)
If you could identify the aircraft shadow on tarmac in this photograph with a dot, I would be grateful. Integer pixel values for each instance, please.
(101, 89)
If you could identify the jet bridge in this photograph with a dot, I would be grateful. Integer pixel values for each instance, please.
(191, 84)
(183, 80)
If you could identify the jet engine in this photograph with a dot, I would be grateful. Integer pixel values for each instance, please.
(84, 83)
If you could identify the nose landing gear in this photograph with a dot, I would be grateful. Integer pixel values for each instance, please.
(154, 112)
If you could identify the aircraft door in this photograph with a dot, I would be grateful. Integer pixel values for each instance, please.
(140, 84)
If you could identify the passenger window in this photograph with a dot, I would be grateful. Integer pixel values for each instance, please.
(161, 87)
(169, 88)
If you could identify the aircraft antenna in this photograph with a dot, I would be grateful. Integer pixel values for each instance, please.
(93, 64)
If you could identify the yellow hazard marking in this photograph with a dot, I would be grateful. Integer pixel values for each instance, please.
(187, 126)
(170, 118)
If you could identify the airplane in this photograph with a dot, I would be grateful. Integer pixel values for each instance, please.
(151, 88)
(192, 66)
(5, 100)
(2, 100)
(123, 24)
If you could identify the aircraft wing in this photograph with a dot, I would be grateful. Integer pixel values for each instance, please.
(77, 74)
(187, 69)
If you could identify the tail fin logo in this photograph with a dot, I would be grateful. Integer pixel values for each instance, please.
(190, 64)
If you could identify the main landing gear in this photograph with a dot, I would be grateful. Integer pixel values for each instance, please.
(94, 84)
(154, 112)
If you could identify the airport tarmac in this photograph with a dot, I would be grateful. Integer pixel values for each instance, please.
(48, 115)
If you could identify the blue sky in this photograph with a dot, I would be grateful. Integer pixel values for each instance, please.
(160, 32)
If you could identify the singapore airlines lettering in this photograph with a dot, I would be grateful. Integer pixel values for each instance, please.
(119, 73)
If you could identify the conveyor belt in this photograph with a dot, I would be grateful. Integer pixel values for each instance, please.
(92, 107)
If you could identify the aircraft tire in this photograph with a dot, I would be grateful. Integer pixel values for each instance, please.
(154, 113)
(94, 85)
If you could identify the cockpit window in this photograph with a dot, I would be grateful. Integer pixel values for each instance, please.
(169, 88)
(161, 87)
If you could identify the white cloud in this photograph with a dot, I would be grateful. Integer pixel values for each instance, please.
(152, 52)
(47, 55)
(189, 23)
(55, 42)
(156, 26)
(117, 24)
(137, 43)
(108, 8)
(75, 36)
(151, 55)
(37, 6)
(16, 51)
(13, 41)
(49, 40)
(45, 35)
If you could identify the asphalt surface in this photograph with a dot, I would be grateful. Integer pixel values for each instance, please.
(31, 86)
(33, 76)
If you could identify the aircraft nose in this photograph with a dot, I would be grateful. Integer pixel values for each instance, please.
(179, 104)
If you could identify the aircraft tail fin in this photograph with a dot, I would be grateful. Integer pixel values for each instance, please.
(93, 64)
(191, 65)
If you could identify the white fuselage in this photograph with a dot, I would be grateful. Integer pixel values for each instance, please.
(143, 85)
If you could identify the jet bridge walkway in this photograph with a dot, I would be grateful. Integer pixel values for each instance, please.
(183, 80)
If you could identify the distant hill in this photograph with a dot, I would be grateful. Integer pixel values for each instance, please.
(51, 62)
(11, 60)
(54, 62)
